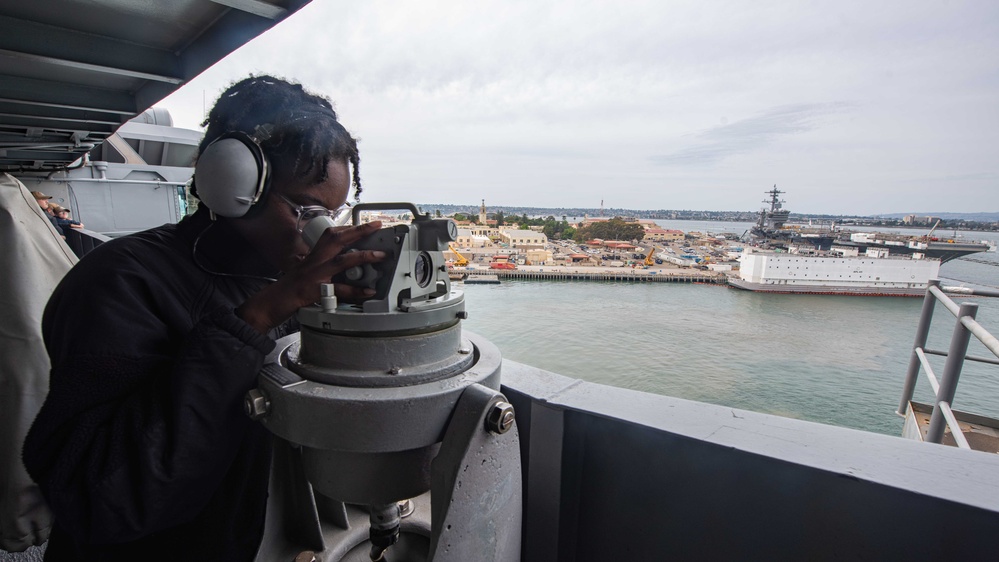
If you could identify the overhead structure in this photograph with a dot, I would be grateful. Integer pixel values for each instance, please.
(73, 71)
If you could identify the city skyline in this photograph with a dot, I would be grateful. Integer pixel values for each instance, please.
(850, 108)
(985, 218)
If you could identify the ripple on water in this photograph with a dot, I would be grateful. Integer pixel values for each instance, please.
(837, 360)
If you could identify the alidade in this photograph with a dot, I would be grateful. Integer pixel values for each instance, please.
(413, 273)
(385, 400)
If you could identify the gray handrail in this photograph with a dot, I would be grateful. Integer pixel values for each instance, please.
(83, 241)
(386, 206)
(944, 389)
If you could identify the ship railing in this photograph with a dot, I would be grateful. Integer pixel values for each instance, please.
(945, 389)
(82, 241)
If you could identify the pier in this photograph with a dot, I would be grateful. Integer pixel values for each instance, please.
(629, 275)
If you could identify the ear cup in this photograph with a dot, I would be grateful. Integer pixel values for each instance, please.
(231, 175)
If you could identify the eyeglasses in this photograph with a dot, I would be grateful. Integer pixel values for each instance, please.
(306, 213)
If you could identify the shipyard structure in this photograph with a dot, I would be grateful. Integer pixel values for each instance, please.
(782, 259)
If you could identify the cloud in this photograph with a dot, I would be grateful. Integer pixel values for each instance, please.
(752, 134)
(680, 104)
(991, 177)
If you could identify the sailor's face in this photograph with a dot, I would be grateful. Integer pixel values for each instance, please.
(274, 232)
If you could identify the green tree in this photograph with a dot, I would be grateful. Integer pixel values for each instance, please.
(613, 229)
(499, 218)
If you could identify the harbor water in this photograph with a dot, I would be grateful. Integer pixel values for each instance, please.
(838, 360)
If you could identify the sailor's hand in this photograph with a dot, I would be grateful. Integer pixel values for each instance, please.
(299, 287)
(331, 248)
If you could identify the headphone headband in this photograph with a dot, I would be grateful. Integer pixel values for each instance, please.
(233, 174)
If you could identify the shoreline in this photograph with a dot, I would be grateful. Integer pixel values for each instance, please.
(599, 273)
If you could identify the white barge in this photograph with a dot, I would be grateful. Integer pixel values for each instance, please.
(874, 273)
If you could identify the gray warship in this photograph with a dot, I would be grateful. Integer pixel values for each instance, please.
(771, 232)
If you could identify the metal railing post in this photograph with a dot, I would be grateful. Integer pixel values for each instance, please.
(952, 372)
(922, 331)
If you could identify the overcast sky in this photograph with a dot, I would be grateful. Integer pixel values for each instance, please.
(851, 107)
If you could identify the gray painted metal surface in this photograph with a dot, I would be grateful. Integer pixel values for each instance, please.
(72, 71)
(630, 475)
(922, 332)
(140, 185)
(380, 362)
(477, 486)
(952, 373)
(326, 417)
(129, 199)
(474, 472)
(945, 389)
(948, 415)
(447, 313)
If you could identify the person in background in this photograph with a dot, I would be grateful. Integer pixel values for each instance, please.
(63, 218)
(142, 448)
(43, 202)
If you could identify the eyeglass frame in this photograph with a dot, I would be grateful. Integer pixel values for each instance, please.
(339, 216)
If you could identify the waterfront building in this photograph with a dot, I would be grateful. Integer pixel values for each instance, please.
(468, 239)
(662, 235)
(539, 257)
(581, 259)
(610, 244)
(917, 220)
(526, 239)
(482, 230)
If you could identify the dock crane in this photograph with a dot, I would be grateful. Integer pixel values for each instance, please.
(462, 261)
(926, 238)
(648, 259)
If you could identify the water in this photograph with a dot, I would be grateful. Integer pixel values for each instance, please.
(831, 359)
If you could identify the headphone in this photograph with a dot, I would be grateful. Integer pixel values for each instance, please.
(232, 174)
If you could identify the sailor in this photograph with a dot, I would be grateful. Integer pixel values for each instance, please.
(62, 217)
(43, 202)
(142, 448)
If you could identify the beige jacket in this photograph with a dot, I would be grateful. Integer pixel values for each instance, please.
(33, 258)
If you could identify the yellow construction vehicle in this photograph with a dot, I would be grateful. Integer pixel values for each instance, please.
(648, 259)
(462, 261)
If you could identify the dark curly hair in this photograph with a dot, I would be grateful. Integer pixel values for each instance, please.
(297, 130)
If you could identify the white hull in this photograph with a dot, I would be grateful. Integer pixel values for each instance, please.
(859, 291)
(860, 275)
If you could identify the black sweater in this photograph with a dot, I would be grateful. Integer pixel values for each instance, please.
(142, 448)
